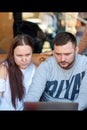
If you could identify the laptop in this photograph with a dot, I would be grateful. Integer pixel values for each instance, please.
(50, 106)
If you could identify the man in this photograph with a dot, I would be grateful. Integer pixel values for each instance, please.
(63, 76)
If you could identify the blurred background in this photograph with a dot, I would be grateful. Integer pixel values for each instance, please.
(41, 26)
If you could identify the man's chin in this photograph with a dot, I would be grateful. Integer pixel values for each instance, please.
(64, 66)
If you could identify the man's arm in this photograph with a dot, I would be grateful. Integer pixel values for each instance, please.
(38, 84)
(82, 98)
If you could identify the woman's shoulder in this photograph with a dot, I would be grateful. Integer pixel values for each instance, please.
(32, 65)
(3, 71)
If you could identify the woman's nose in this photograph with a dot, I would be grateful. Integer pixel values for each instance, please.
(23, 58)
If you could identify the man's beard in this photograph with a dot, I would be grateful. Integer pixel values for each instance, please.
(68, 66)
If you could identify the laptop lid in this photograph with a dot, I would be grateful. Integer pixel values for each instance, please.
(50, 106)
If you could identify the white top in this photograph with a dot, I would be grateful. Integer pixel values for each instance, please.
(5, 101)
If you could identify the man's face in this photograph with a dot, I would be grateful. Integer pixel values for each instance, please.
(65, 55)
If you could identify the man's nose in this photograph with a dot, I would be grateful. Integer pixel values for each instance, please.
(62, 58)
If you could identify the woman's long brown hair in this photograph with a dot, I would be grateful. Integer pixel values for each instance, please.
(15, 75)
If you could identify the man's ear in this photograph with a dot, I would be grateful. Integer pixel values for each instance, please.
(77, 49)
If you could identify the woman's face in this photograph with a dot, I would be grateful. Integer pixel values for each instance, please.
(22, 56)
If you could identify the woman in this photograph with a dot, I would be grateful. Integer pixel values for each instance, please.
(16, 73)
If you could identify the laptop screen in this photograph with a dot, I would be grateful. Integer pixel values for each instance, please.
(50, 106)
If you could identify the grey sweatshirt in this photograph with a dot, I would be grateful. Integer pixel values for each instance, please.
(52, 83)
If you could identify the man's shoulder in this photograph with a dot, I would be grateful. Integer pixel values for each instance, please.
(49, 61)
(51, 58)
(82, 56)
(82, 59)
